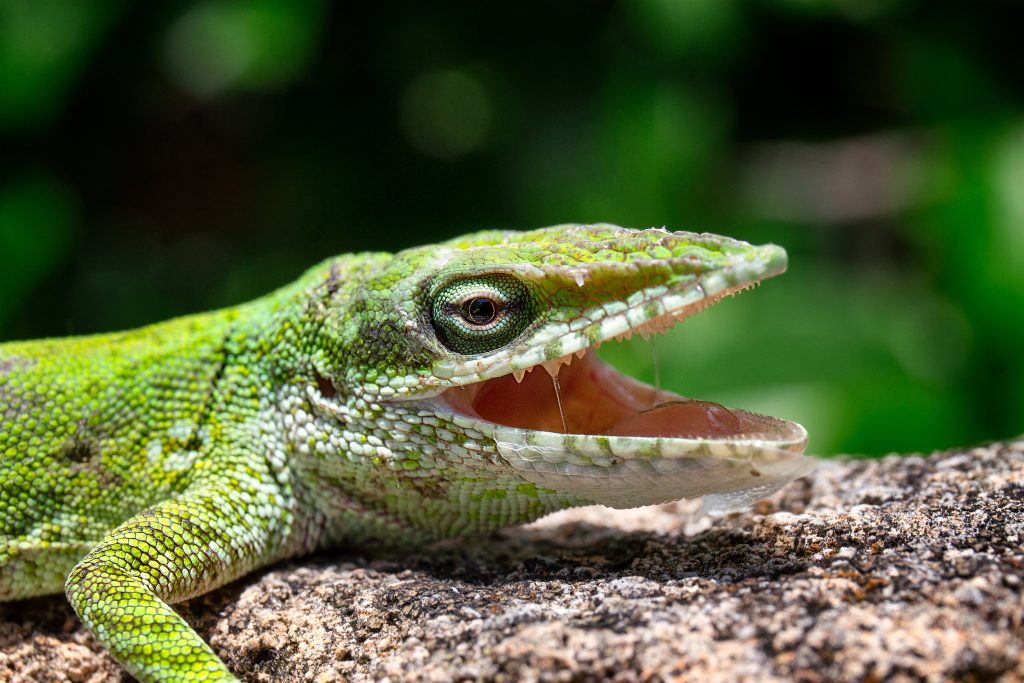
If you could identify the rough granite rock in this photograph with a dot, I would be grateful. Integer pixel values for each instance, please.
(902, 569)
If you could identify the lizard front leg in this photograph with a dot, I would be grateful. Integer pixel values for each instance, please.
(177, 549)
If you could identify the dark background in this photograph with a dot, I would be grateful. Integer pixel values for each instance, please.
(164, 158)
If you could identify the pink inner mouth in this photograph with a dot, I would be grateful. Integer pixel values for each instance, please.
(597, 399)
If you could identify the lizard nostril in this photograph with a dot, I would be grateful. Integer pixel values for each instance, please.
(325, 386)
(79, 452)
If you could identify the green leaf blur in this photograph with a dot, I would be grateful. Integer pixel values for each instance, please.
(164, 158)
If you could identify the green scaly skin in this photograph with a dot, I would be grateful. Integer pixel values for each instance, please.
(141, 468)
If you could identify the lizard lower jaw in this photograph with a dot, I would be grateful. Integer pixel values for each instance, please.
(627, 443)
(596, 399)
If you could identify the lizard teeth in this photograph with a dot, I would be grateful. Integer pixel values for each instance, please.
(519, 374)
(553, 366)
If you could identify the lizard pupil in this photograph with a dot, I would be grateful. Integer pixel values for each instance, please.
(479, 311)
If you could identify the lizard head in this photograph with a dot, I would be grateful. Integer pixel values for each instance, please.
(490, 338)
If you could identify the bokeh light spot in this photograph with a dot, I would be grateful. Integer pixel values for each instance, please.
(255, 45)
(37, 217)
(446, 114)
(1008, 171)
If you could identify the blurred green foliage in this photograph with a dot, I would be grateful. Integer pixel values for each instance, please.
(164, 158)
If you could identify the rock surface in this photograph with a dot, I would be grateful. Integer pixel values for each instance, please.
(903, 569)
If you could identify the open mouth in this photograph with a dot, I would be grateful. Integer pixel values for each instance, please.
(581, 394)
(585, 395)
(579, 426)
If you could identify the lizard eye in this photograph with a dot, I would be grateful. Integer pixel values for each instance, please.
(481, 314)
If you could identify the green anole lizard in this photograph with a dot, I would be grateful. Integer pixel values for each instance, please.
(380, 400)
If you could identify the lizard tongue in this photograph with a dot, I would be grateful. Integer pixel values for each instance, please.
(680, 419)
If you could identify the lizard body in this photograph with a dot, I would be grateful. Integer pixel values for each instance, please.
(380, 400)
